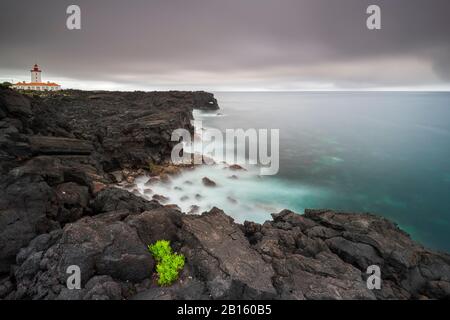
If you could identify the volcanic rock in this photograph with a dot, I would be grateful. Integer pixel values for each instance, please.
(208, 182)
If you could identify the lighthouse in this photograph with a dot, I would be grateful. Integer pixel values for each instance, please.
(36, 82)
(36, 74)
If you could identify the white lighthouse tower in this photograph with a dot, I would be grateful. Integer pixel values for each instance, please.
(36, 74)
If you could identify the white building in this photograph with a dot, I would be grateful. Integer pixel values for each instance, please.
(36, 82)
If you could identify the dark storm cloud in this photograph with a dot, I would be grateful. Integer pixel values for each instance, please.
(275, 44)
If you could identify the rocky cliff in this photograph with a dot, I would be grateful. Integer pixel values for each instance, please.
(57, 151)
(58, 207)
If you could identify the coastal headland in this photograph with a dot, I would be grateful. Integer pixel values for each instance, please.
(63, 156)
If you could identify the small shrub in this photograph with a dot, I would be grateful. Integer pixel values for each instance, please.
(168, 264)
(168, 269)
(151, 166)
(160, 249)
(155, 169)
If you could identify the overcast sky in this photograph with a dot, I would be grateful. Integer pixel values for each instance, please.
(229, 44)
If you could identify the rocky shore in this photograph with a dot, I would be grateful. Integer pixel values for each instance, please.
(61, 155)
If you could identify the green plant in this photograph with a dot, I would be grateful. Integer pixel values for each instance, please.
(160, 249)
(151, 166)
(168, 264)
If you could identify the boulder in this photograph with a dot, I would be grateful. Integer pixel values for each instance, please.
(28, 207)
(208, 182)
(160, 198)
(101, 246)
(218, 250)
(113, 199)
(236, 167)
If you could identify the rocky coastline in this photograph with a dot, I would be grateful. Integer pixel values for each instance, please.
(62, 155)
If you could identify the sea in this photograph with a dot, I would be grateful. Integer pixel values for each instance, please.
(386, 153)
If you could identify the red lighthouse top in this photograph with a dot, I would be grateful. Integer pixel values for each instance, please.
(36, 68)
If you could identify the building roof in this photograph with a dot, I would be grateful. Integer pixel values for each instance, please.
(37, 84)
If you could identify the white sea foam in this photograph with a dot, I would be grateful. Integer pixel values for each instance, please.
(243, 194)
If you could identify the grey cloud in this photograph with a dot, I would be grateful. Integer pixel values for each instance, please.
(263, 43)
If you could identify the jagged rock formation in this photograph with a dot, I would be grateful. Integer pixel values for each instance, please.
(319, 255)
(57, 150)
(58, 156)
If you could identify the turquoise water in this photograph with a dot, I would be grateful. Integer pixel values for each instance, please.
(384, 153)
